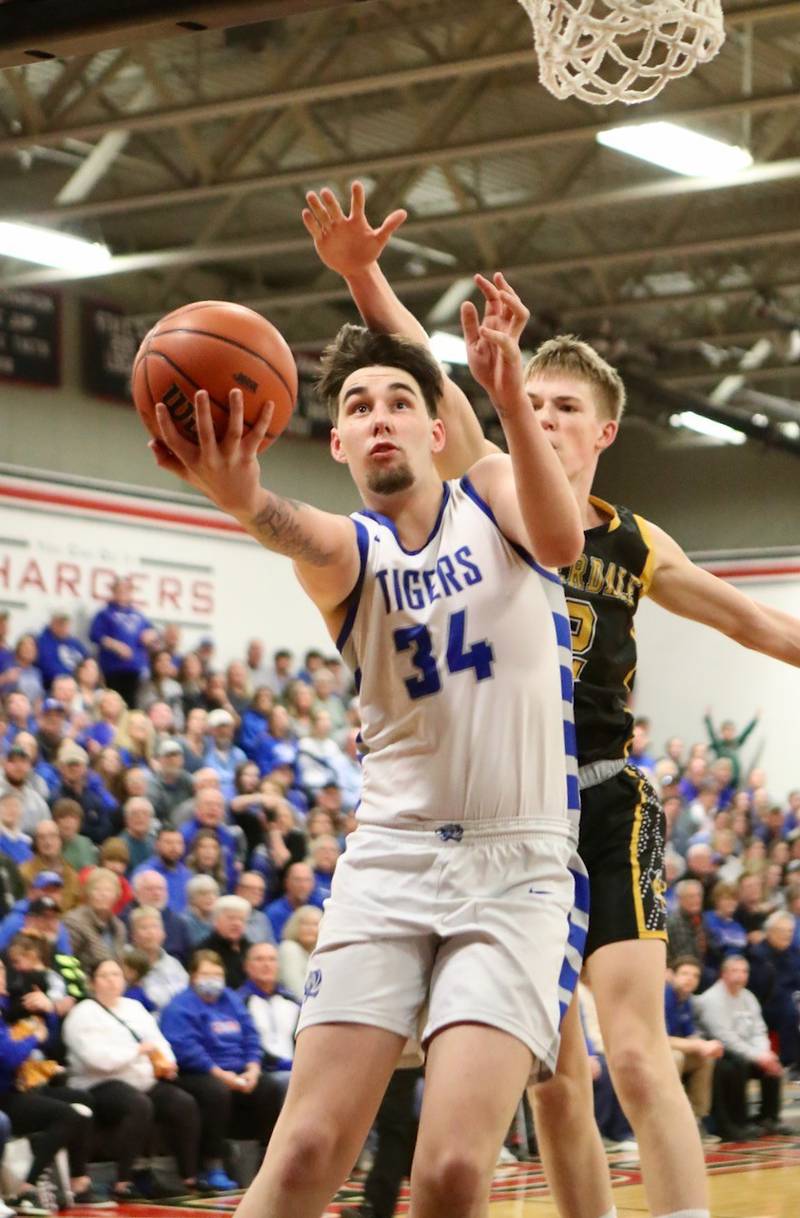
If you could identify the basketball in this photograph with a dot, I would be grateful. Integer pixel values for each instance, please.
(216, 346)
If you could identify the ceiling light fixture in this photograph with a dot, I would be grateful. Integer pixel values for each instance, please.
(47, 247)
(708, 427)
(677, 148)
(449, 348)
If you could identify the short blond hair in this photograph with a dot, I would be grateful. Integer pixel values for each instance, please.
(568, 354)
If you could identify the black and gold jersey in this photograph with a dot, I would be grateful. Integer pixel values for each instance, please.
(603, 588)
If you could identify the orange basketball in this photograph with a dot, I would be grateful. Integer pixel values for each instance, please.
(216, 346)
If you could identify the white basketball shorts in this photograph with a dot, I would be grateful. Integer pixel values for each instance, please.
(485, 925)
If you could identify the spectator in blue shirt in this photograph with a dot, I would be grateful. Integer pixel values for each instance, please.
(209, 814)
(299, 889)
(60, 652)
(167, 861)
(694, 1055)
(255, 721)
(724, 935)
(219, 1054)
(775, 981)
(222, 754)
(122, 635)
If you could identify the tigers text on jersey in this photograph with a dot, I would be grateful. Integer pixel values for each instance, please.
(462, 657)
(603, 587)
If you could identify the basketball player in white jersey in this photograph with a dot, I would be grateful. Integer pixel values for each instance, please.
(621, 838)
(441, 597)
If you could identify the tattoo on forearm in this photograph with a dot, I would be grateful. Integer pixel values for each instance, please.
(280, 527)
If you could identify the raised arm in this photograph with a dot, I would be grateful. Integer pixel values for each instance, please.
(351, 247)
(322, 545)
(682, 587)
(527, 491)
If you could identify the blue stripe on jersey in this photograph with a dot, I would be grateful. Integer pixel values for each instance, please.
(362, 538)
(390, 524)
(576, 942)
(524, 554)
(563, 631)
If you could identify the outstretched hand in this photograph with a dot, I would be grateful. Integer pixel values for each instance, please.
(493, 344)
(347, 244)
(225, 469)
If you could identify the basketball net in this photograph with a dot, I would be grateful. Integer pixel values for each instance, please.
(604, 51)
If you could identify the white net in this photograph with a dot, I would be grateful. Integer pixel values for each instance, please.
(603, 51)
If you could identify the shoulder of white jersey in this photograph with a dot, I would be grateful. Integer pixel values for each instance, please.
(467, 487)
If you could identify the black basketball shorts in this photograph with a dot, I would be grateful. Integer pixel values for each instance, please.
(622, 837)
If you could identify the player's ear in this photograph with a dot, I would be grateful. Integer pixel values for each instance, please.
(337, 451)
(607, 434)
(438, 436)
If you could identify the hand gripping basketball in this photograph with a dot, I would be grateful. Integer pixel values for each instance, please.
(226, 469)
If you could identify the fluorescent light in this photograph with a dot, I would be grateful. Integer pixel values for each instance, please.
(677, 148)
(708, 427)
(50, 248)
(449, 348)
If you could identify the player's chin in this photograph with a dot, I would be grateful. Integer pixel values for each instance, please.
(390, 481)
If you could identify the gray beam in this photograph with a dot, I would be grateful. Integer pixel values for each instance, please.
(253, 248)
(314, 173)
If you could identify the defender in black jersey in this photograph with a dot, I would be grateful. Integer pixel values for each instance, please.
(622, 834)
(579, 400)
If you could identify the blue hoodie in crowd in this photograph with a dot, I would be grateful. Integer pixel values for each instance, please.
(208, 1034)
(126, 624)
(57, 656)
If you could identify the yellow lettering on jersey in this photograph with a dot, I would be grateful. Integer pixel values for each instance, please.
(595, 581)
(576, 574)
(583, 624)
(622, 579)
(603, 578)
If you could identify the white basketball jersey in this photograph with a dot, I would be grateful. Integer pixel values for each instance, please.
(463, 662)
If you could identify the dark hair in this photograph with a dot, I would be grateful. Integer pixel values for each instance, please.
(356, 347)
(98, 964)
(28, 942)
(682, 961)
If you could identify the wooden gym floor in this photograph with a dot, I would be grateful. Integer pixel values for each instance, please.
(753, 1180)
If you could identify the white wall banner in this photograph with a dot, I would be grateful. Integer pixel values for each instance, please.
(685, 668)
(61, 546)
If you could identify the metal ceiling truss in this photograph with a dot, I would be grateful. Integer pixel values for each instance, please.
(436, 105)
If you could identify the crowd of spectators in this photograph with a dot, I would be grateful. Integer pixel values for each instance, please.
(168, 835)
(732, 1000)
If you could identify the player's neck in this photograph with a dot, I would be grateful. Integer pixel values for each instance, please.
(581, 483)
(413, 512)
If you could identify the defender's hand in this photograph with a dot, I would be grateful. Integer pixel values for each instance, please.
(225, 470)
(492, 345)
(347, 244)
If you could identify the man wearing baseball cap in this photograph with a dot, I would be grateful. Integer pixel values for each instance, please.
(52, 728)
(42, 901)
(16, 776)
(222, 754)
(73, 767)
(170, 784)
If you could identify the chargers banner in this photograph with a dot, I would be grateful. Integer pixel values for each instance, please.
(61, 546)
